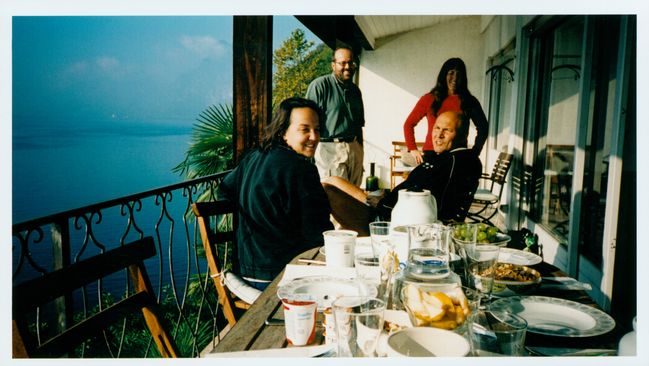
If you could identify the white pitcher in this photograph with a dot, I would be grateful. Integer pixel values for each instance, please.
(414, 208)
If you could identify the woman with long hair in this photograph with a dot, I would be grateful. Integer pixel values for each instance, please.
(282, 209)
(450, 93)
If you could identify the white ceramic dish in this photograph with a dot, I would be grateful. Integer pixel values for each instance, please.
(426, 342)
(515, 256)
(324, 289)
(363, 244)
(557, 317)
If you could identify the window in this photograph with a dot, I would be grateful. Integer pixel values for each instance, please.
(559, 88)
(556, 93)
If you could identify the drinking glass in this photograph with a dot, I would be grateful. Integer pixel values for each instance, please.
(380, 237)
(359, 322)
(496, 333)
(429, 251)
(384, 249)
(464, 239)
(481, 267)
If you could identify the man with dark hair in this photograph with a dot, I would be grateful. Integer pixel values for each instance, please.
(451, 175)
(340, 152)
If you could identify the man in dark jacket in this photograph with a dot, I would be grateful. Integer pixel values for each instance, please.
(451, 175)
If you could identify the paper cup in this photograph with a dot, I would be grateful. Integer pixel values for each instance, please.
(339, 247)
(299, 320)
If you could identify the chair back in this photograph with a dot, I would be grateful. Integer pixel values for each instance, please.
(399, 148)
(35, 293)
(500, 170)
(212, 236)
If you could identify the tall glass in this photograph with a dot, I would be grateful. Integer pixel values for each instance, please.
(359, 322)
(464, 240)
(383, 249)
(481, 267)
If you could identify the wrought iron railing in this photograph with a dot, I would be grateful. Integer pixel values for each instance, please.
(178, 272)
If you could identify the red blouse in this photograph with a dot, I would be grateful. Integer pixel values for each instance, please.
(421, 109)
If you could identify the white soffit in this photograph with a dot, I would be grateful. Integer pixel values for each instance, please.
(378, 26)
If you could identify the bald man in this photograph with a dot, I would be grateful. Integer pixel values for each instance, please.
(451, 175)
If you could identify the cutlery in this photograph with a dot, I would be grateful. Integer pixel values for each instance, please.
(274, 321)
(311, 261)
(331, 352)
(560, 351)
(565, 282)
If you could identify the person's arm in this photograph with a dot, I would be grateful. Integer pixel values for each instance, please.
(481, 124)
(417, 113)
(314, 208)
(314, 92)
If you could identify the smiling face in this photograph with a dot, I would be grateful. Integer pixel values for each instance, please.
(343, 65)
(452, 80)
(444, 131)
(303, 133)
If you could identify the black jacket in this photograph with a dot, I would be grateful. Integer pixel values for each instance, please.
(451, 177)
(282, 210)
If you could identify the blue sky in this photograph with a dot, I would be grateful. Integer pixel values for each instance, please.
(86, 69)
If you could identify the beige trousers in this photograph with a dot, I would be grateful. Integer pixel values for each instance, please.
(340, 159)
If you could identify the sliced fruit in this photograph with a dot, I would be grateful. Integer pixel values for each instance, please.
(434, 312)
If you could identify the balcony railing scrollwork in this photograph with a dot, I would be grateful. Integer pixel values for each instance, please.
(178, 272)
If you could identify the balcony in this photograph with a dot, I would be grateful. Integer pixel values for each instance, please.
(178, 271)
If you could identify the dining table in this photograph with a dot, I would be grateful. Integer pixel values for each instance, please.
(261, 327)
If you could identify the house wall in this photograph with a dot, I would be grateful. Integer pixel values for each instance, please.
(404, 67)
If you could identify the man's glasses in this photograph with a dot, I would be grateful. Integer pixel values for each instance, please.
(345, 63)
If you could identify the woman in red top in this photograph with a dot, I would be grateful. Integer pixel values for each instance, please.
(449, 94)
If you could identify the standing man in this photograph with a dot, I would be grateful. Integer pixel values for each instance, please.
(340, 152)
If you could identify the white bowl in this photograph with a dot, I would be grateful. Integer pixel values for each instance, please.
(426, 342)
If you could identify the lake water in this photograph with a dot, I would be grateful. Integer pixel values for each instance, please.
(56, 169)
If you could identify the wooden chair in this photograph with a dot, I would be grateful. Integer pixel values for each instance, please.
(488, 199)
(397, 168)
(235, 296)
(37, 292)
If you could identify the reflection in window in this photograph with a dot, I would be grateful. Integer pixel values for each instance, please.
(558, 126)
(598, 144)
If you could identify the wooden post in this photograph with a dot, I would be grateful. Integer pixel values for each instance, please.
(252, 80)
(61, 259)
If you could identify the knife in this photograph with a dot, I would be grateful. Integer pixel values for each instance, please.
(560, 351)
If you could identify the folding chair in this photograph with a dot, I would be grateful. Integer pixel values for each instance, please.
(397, 167)
(235, 296)
(40, 291)
(488, 200)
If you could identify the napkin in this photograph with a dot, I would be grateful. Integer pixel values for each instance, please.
(294, 271)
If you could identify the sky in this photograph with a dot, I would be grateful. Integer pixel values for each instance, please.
(87, 69)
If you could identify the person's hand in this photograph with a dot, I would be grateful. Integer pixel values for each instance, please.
(419, 158)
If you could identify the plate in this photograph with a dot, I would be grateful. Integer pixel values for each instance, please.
(515, 256)
(324, 289)
(557, 317)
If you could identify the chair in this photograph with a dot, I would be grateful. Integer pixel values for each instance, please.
(40, 291)
(235, 296)
(488, 200)
(397, 167)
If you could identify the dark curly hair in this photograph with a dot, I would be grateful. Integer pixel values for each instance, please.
(275, 131)
(440, 90)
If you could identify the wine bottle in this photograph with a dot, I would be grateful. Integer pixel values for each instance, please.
(371, 182)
